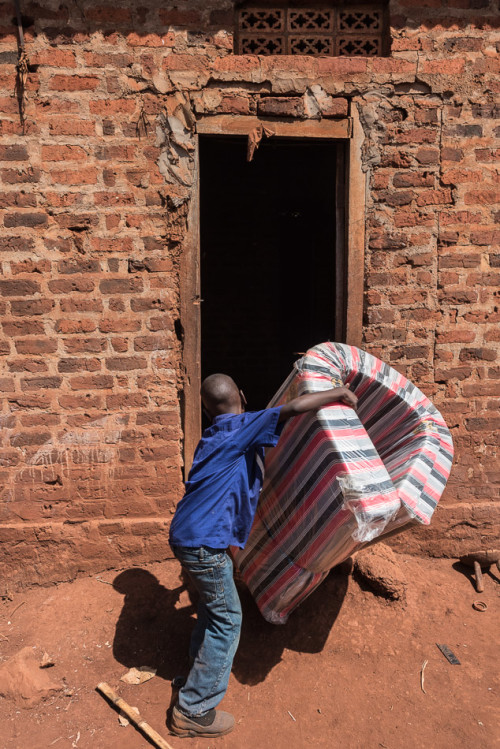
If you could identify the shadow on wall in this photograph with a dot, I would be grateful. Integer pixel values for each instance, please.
(69, 22)
(151, 631)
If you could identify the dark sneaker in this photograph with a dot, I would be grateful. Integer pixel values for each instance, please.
(212, 724)
(178, 682)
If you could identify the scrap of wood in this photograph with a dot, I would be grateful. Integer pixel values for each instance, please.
(17, 607)
(255, 137)
(424, 664)
(133, 717)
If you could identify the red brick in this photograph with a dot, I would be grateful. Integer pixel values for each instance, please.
(152, 343)
(485, 237)
(86, 265)
(16, 199)
(413, 179)
(452, 154)
(477, 389)
(39, 420)
(7, 385)
(76, 221)
(18, 288)
(84, 325)
(23, 327)
(434, 197)
(36, 346)
(391, 65)
(126, 400)
(121, 286)
(30, 266)
(459, 296)
(79, 284)
(41, 383)
(478, 354)
(57, 58)
(65, 126)
(151, 40)
(235, 105)
(14, 153)
(25, 219)
(411, 296)
(41, 400)
(428, 156)
(487, 154)
(91, 382)
(126, 363)
(482, 197)
(73, 83)
(427, 115)
(174, 61)
(113, 106)
(344, 66)
(79, 364)
(286, 106)
(111, 244)
(111, 199)
(101, 60)
(120, 345)
(415, 135)
(30, 307)
(460, 176)
(456, 336)
(81, 176)
(23, 439)
(448, 66)
(119, 325)
(84, 345)
(16, 244)
(108, 15)
(71, 402)
(481, 424)
(27, 365)
(455, 373)
(63, 153)
(19, 176)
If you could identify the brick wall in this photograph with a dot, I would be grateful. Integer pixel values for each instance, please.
(93, 213)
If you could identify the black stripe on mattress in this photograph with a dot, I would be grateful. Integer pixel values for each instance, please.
(333, 455)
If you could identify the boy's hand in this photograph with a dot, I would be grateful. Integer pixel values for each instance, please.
(314, 401)
(345, 395)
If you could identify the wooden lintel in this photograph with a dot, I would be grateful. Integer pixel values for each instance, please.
(227, 124)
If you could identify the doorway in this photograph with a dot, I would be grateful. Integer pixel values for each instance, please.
(272, 246)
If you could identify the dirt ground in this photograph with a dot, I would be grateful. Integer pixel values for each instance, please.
(345, 671)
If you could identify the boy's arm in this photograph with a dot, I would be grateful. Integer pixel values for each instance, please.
(314, 401)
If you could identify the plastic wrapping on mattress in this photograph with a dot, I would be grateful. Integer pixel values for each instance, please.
(340, 478)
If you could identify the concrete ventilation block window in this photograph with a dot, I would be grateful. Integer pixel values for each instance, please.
(357, 29)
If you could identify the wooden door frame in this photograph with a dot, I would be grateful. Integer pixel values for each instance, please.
(348, 129)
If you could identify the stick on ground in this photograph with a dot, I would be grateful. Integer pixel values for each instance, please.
(133, 717)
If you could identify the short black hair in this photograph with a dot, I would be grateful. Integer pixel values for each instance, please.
(219, 389)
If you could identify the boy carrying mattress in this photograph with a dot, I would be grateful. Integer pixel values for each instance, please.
(216, 512)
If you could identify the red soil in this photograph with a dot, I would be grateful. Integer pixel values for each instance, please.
(345, 670)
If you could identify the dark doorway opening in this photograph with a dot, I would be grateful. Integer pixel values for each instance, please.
(272, 256)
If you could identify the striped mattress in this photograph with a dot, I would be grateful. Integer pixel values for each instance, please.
(340, 478)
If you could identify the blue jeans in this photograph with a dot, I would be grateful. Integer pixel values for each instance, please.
(216, 633)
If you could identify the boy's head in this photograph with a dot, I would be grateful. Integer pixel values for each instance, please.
(220, 395)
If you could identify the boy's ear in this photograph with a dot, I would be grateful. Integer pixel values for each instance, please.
(209, 416)
(243, 399)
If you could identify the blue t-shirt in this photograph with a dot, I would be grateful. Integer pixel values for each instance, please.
(225, 480)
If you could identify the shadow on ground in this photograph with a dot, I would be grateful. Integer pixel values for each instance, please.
(151, 631)
(468, 572)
